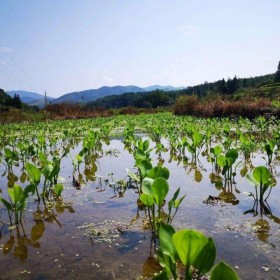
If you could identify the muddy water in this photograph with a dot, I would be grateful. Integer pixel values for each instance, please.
(98, 235)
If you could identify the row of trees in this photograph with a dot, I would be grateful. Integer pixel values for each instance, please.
(6, 100)
(154, 99)
(230, 86)
(160, 98)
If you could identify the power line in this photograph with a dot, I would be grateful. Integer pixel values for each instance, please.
(14, 71)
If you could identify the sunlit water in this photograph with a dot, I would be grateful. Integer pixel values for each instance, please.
(97, 235)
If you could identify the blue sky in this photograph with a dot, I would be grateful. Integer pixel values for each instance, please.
(70, 45)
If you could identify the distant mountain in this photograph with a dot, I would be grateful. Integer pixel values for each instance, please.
(165, 88)
(28, 97)
(85, 96)
(93, 94)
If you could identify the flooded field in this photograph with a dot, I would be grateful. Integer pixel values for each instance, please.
(83, 215)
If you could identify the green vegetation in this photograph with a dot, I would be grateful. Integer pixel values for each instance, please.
(195, 251)
(31, 155)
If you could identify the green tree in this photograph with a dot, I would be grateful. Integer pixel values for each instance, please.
(17, 102)
(222, 88)
(232, 85)
(5, 99)
(277, 74)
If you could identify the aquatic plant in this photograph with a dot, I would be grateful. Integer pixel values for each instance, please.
(154, 190)
(226, 163)
(194, 250)
(17, 204)
(269, 147)
(263, 180)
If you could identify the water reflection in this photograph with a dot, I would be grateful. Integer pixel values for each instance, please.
(19, 240)
(227, 188)
(262, 227)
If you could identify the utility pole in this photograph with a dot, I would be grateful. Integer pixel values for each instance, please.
(45, 99)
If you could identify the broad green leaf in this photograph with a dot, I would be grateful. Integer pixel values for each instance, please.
(160, 189)
(29, 189)
(33, 172)
(206, 257)
(217, 150)
(55, 171)
(43, 158)
(147, 186)
(189, 243)
(139, 154)
(221, 160)
(251, 180)
(158, 171)
(222, 271)
(231, 156)
(146, 145)
(148, 200)
(169, 266)
(15, 193)
(145, 166)
(58, 188)
(8, 153)
(197, 139)
(167, 247)
(261, 174)
(46, 171)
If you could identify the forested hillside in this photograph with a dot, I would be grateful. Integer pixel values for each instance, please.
(6, 100)
(158, 98)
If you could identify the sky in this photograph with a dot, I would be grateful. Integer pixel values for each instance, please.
(64, 46)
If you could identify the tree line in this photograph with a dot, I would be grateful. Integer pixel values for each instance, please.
(6, 100)
(159, 98)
